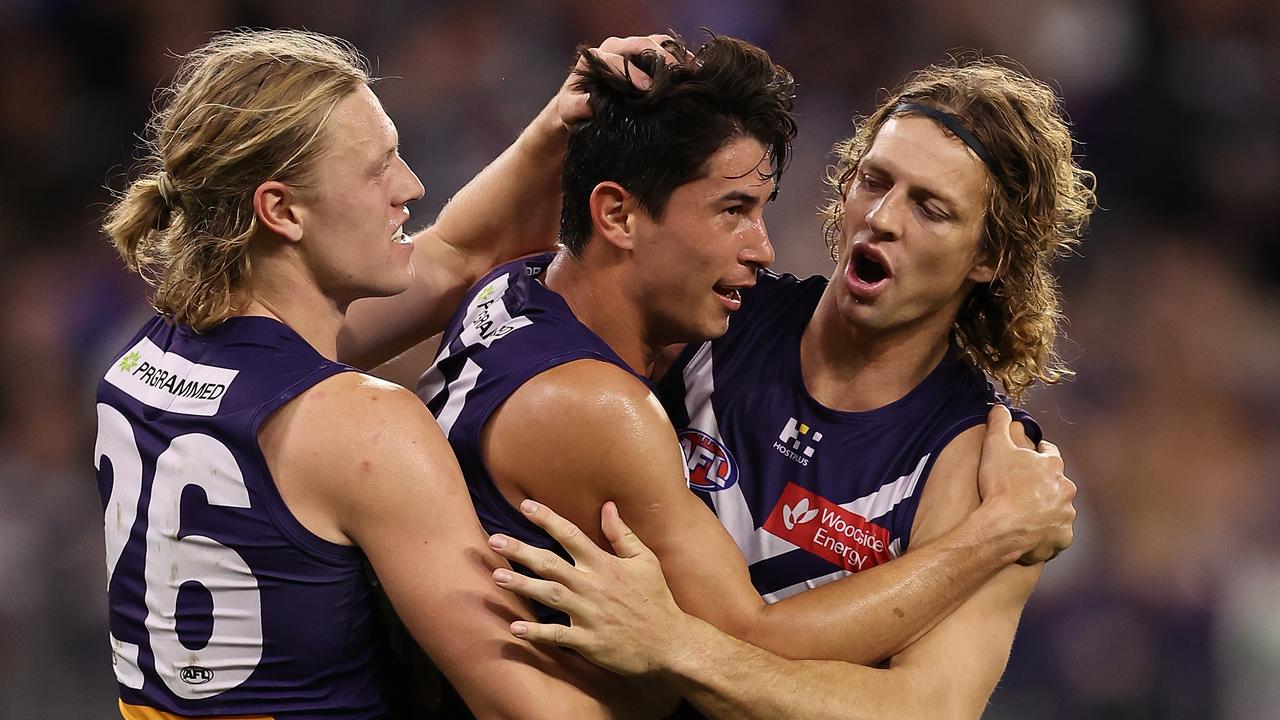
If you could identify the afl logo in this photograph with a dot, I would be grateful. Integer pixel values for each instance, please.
(711, 467)
(195, 675)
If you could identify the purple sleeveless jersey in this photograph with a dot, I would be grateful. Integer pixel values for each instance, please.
(221, 602)
(510, 328)
(808, 493)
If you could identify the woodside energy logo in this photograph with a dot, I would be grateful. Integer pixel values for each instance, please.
(839, 536)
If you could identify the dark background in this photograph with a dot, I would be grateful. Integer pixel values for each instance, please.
(1168, 606)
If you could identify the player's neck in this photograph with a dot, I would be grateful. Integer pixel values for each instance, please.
(597, 296)
(301, 306)
(855, 369)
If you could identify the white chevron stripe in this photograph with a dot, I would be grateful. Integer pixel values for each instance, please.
(889, 495)
(432, 381)
(731, 507)
(458, 391)
(765, 545)
(758, 544)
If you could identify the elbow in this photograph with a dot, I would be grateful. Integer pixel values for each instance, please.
(766, 626)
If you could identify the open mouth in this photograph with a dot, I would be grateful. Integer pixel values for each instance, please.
(401, 238)
(729, 292)
(869, 270)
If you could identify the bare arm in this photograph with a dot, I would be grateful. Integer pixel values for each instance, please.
(949, 673)
(625, 618)
(511, 209)
(360, 461)
(586, 432)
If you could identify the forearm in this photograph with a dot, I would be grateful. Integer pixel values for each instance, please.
(872, 615)
(727, 678)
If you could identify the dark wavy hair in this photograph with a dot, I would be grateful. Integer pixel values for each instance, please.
(653, 141)
(1039, 201)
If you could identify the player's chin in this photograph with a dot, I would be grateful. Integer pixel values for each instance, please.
(715, 325)
(394, 283)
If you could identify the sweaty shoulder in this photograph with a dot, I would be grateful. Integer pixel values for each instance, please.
(589, 399)
(573, 435)
(348, 440)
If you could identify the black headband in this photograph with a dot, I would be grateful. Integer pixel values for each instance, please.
(952, 123)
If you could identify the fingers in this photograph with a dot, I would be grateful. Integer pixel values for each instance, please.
(621, 67)
(562, 531)
(637, 44)
(1047, 448)
(999, 421)
(547, 634)
(551, 594)
(624, 541)
(543, 562)
(615, 52)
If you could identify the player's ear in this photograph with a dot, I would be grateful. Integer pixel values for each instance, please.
(275, 207)
(985, 264)
(613, 212)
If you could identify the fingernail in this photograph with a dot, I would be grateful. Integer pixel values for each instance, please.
(497, 542)
(519, 628)
(529, 506)
(502, 575)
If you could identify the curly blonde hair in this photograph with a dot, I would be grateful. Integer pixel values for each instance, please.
(247, 107)
(1039, 201)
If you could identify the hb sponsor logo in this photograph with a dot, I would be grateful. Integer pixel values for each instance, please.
(839, 536)
(711, 467)
(797, 441)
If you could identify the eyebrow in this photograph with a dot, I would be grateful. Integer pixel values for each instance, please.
(744, 197)
(914, 190)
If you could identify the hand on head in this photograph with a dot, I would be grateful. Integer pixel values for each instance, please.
(615, 51)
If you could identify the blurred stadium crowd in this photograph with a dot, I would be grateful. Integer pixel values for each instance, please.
(1169, 604)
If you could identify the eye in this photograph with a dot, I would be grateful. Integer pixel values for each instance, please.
(871, 182)
(734, 210)
(933, 212)
(388, 161)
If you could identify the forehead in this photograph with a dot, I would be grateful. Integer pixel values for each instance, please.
(741, 164)
(359, 126)
(918, 151)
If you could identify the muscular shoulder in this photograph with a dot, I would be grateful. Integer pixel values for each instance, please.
(588, 426)
(348, 444)
(598, 398)
(349, 411)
